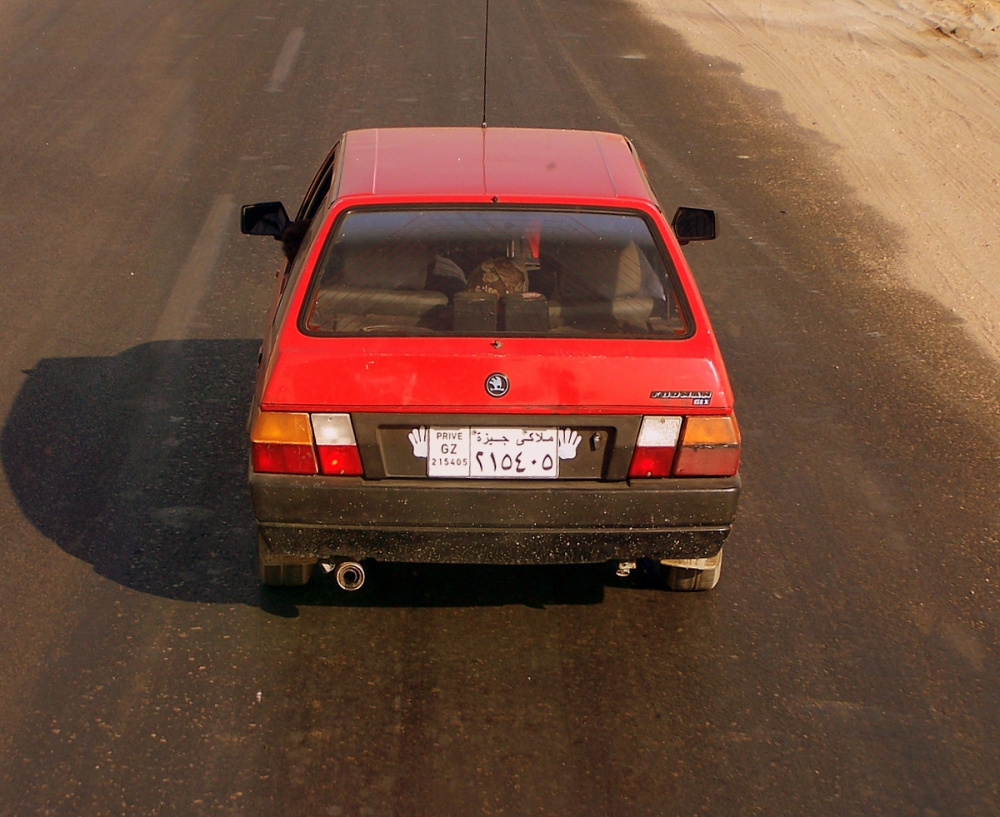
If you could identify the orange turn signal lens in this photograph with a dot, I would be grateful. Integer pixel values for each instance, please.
(289, 427)
(708, 447)
(711, 431)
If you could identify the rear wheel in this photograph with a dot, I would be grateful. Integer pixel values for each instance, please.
(286, 571)
(691, 574)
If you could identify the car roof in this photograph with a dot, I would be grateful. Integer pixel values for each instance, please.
(490, 162)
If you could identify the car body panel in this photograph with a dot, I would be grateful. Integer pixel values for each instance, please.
(552, 376)
(479, 162)
(395, 381)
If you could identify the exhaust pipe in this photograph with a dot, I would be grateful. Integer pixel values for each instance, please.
(350, 576)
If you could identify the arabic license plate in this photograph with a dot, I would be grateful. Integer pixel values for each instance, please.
(493, 453)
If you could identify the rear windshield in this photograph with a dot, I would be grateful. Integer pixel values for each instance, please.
(491, 271)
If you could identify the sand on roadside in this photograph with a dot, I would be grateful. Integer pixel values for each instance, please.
(909, 93)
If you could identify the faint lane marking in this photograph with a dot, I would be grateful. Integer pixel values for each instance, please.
(193, 280)
(286, 59)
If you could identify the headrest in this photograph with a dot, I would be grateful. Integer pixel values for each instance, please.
(598, 273)
(381, 266)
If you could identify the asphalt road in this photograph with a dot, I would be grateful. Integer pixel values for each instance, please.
(848, 662)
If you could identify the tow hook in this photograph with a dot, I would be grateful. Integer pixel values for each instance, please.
(625, 569)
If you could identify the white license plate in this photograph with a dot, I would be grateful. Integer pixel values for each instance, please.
(493, 453)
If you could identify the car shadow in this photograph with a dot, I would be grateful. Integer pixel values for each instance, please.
(137, 464)
(433, 585)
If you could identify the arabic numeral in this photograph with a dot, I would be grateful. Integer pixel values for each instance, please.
(547, 462)
(520, 468)
(479, 460)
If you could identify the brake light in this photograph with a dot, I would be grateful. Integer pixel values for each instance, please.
(709, 447)
(337, 447)
(281, 443)
(654, 449)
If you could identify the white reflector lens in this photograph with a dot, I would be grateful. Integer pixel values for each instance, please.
(333, 429)
(658, 432)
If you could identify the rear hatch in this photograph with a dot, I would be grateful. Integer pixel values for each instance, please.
(486, 342)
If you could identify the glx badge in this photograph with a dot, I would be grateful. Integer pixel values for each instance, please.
(697, 398)
(497, 385)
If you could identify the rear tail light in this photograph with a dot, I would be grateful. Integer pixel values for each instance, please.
(706, 447)
(281, 443)
(709, 447)
(654, 450)
(337, 447)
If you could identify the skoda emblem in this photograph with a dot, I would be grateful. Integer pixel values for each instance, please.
(497, 385)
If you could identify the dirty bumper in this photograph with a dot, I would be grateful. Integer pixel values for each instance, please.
(492, 522)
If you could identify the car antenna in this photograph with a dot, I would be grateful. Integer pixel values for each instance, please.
(486, 52)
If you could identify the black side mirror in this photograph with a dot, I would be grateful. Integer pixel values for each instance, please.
(268, 218)
(693, 224)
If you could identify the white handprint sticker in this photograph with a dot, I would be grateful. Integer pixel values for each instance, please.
(568, 441)
(418, 439)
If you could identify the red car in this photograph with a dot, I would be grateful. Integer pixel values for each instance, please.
(487, 347)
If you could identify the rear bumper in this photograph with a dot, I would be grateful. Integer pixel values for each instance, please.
(494, 522)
